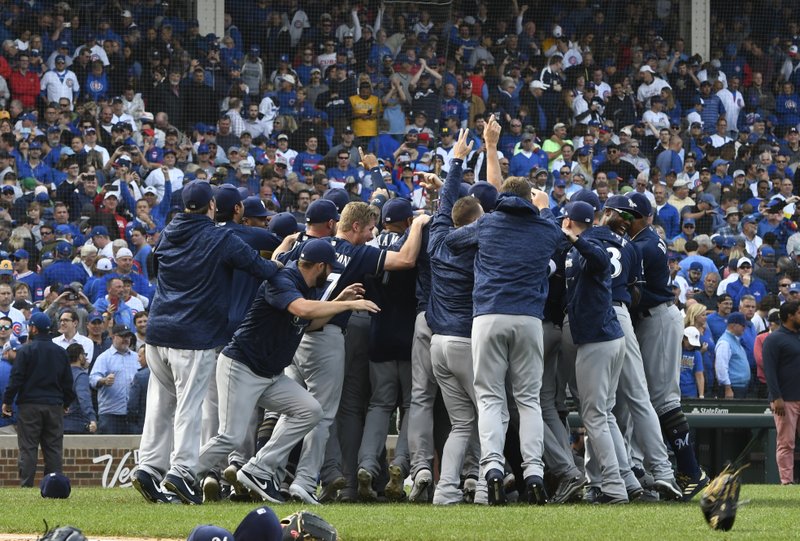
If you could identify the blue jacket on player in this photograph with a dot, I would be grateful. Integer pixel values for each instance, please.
(653, 251)
(625, 263)
(452, 274)
(195, 261)
(589, 270)
(515, 244)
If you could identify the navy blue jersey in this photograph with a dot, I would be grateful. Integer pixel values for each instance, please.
(358, 262)
(244, 285)
(452, 273)
(591, 315)
(515, 244)
(655, 269)
(556, 301)
(268, 337)
(392, 329)
(625, 263)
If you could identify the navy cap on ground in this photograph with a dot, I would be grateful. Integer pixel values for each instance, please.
(260, 524)
(55, 485)
(486, 194)
(339, 197)
(197, 194)
(254, 208)
(209, 532)
(580, 211)
(320, 211)
(397, 210)
(318, 251)
(285, 224)
(622, 204)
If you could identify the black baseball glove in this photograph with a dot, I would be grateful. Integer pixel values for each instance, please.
(305, 526)
(62, 533)
(720, 498)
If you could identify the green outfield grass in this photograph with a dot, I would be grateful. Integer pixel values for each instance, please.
(771, 514)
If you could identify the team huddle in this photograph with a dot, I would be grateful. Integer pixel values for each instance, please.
(494, 303)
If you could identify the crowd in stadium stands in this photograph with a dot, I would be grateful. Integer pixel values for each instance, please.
(109, 108)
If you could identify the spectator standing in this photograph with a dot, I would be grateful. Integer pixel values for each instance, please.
(112, 376)
(81, 417)
(8, 422)
(68, 327)
(732, 366)
(41, 385)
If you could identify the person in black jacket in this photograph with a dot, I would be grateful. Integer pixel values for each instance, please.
(41, 383)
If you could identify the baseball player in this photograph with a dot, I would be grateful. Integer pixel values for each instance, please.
(390, 338)
(319, 361)
(250, 368)
(508, 297)
(633, 400)
(659, 331)
(599, 341)
(450, 318)
(182, 339)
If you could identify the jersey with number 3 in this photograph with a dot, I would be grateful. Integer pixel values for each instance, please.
(625, 263)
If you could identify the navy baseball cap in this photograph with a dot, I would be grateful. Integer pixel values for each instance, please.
(7, 189)
(339, 196)
(197, 194)
(580, 211)
(209, 532)
(95, 316)
(560, 183)
(260, 524)
(202, 148)
(485, 193)
(64, 248)
(227, 198)
(641, 203)
(20, 254)
(696, 266)
(254, 208)
(587, 196)
(318, 251)
(396, 210)
(54, 485)
(121, 330)
(737, 318)
(320, 211)
(284, 224)
(689, 221)
(99, 230)
(621, 203)
(41, 321)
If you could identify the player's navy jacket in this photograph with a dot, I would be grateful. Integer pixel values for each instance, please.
(653, 251)
(358, 262)
(515, 244)
(268, 337)
(244, 285)
(625, 263)
(195, 261)
(557, 289)
(452, 274)
(591, 316)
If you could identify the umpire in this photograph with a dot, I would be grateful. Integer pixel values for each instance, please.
(41, 383)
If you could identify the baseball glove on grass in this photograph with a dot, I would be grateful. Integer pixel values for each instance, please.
(305, 526)
(62, 533)
(720, 498)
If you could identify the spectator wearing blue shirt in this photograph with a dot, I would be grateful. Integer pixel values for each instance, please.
(112, 306)
(717, 321)
(62, 271)
(529, 157)
(112, 375)
(787, 106)
(309, 157)
(692, 375)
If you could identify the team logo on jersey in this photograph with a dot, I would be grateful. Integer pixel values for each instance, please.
(16, 328)
(70, 83)
(96, 86)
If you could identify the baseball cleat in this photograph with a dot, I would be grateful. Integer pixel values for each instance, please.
(148, 487)
(535, 492)
(211, 488)
(497, 492)
(185, 490)
(395, 491)
(229, 474)
(568, 489)
(470, 488)
(422, 481)
(264, 489)
(692, 487)
(668, 489)
(299, 493)
(592, 494)
(634, 494)
(365, 491)
(607, 499)
(330, 491)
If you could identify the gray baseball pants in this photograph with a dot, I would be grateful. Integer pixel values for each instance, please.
(391, 383)
(319, 365)
(451, 359)
(240, 390)
(510, 344)
(171, 435)
(660, 336)
(423, 395)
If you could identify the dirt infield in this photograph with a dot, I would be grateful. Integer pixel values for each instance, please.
(34, 537)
